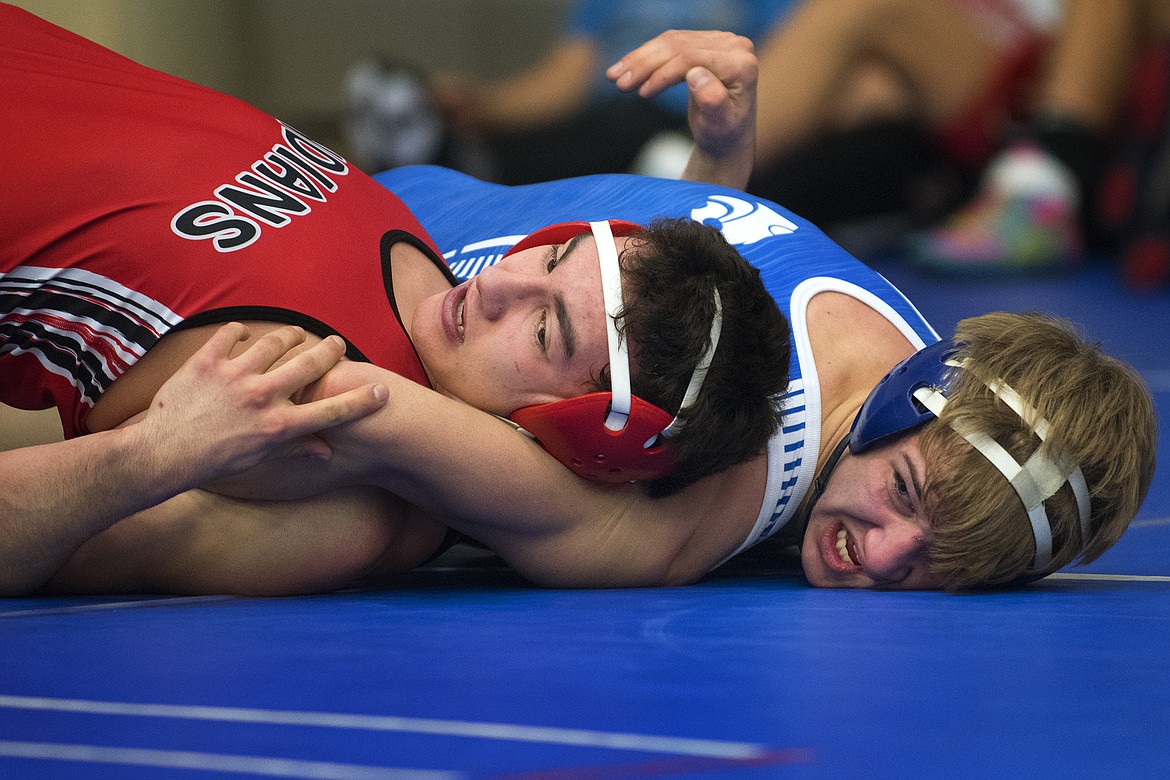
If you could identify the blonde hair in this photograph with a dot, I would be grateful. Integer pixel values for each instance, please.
(1101, 418)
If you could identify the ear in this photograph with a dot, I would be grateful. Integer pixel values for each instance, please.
(573, 431)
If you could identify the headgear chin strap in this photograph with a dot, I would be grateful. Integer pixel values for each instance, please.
(916, 391)
(610, 436)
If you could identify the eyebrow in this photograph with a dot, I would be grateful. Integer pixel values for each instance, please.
(571, 245)
(568, 332)
(917, 483)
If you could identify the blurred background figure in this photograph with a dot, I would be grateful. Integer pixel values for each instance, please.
(977, 136)
(1134, 204)
(1038, 203)
(878, 116)
(559, 117)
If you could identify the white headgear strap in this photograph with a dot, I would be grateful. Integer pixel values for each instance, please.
(1034, 481)
(700, 374)
(619, 358)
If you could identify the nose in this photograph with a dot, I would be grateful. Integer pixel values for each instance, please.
(892, 549)
(501, 287)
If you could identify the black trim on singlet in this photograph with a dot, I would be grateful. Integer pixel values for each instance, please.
(820, 483)
(82, 299)
(391, 238)
(269, 314)
(313, 325)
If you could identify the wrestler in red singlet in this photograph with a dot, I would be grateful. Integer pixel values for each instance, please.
(162, 204)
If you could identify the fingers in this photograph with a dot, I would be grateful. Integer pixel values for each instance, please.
(308, 366)
(224, 340)
(665, 60)
(336, 410)
(706, 88)
(298, 372)
(649, 69)
(267, 350)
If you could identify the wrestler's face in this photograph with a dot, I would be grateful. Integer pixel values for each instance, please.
(876, 499)
(528, 330)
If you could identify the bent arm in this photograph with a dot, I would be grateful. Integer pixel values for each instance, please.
(497, 486)
(216, 415)
(200, 543)
(53, 497)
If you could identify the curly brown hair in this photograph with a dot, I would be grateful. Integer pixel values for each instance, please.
(669, 273)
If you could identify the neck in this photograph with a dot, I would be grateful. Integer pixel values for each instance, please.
(414, 279)
(836, 423)
(824, 473)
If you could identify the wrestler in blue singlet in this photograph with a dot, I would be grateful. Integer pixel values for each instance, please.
(474, 223)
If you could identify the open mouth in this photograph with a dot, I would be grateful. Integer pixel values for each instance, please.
(843, 547)
(453, 305)
(839, 550)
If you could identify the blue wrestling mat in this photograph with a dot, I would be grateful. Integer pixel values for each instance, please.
(462, 671)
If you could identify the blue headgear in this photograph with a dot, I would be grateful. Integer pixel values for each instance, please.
(891, 407)
(915, 392)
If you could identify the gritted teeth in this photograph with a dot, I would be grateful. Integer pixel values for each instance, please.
(459, 317)
(843, 547)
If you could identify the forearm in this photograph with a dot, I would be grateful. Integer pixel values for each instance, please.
(728, 167)
(200, 543)
(492, 483)
(54, 497)
(478, 474)
(460, 463)
(497, 486)
(218, 414)
(422, 446)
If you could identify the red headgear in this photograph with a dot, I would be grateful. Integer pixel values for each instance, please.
(608, 436)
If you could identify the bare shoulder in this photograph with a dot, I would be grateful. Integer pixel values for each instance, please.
(841, 326)
(853, 346)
